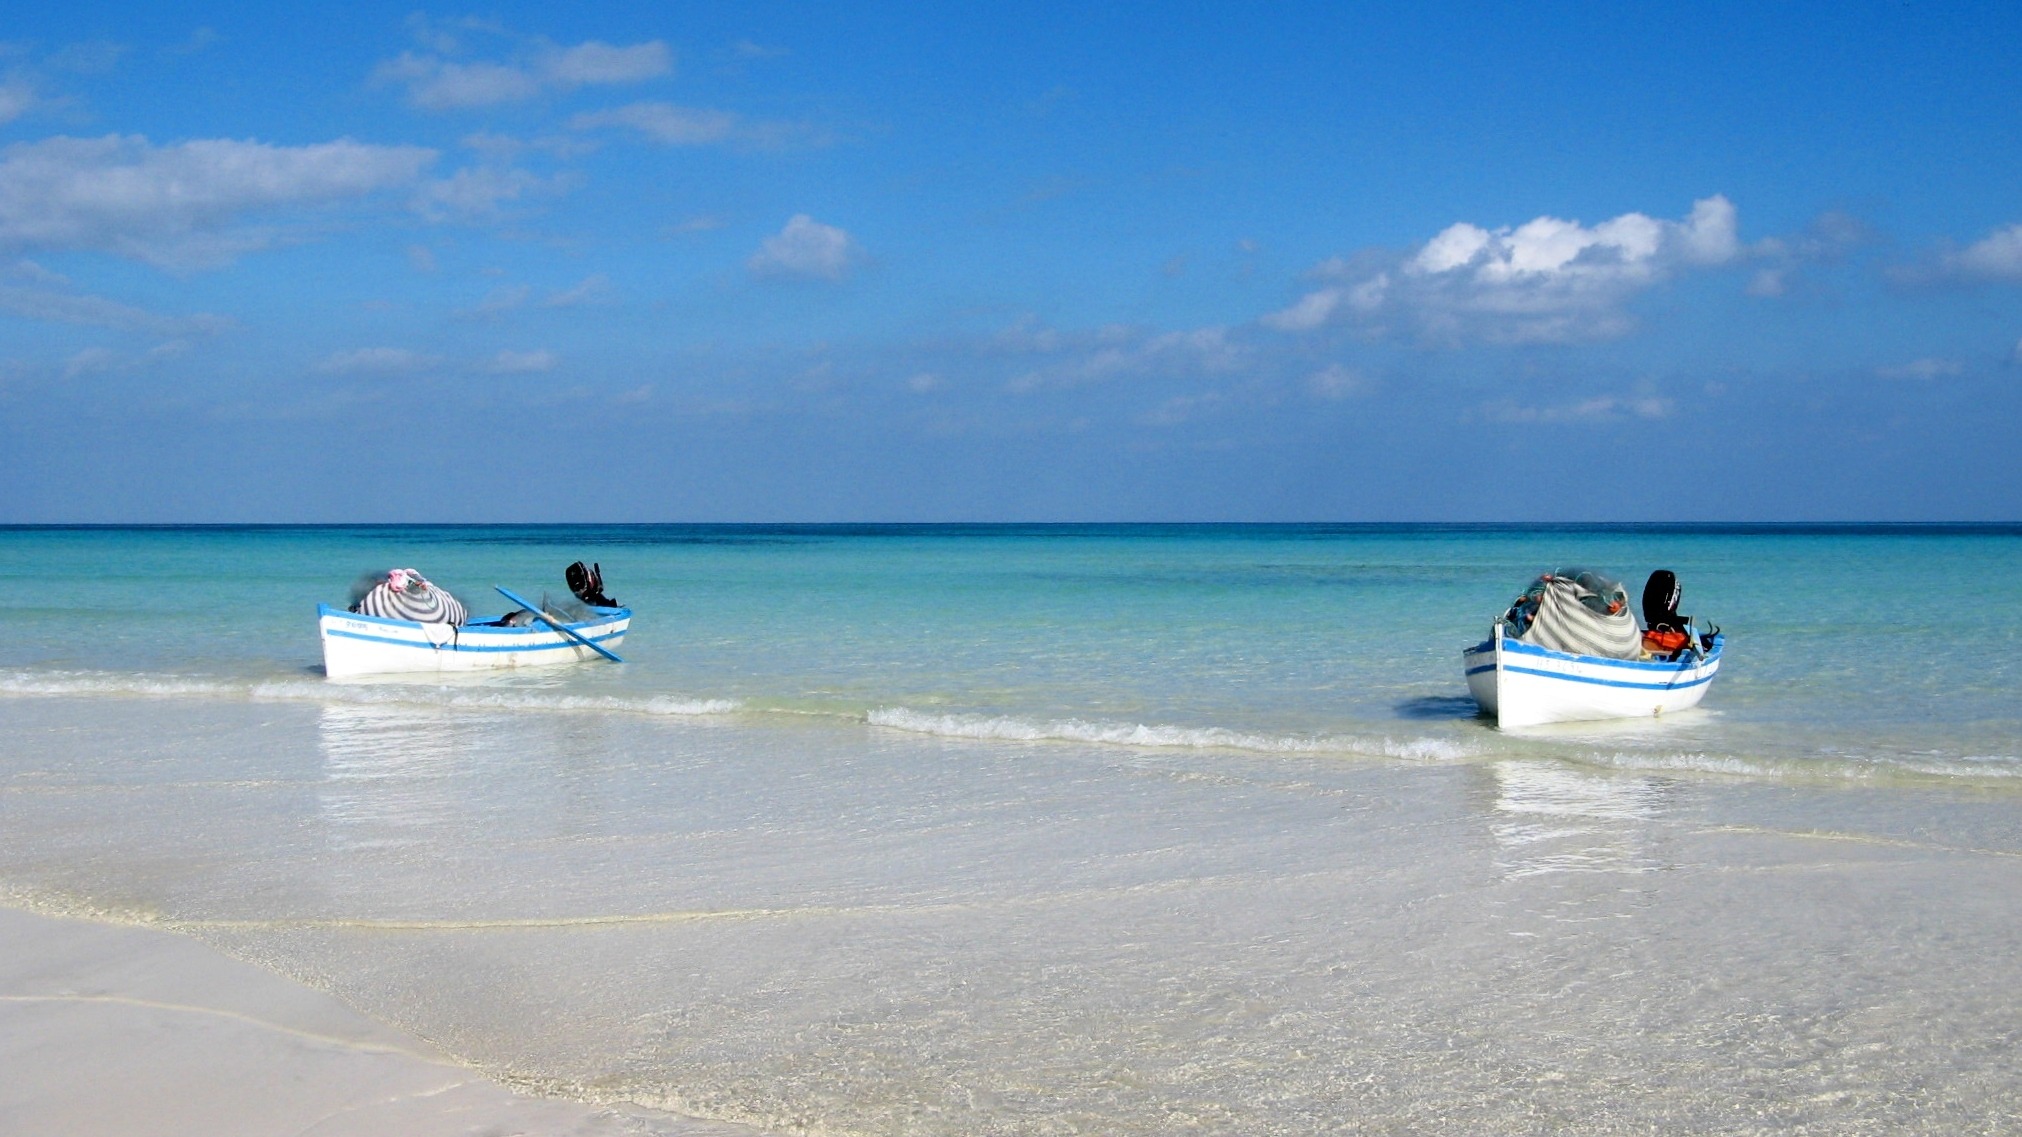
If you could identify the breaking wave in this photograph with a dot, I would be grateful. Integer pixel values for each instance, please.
(1012, 729)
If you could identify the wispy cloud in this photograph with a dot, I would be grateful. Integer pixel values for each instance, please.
(1335, 382)
(32, 292)
(1599, 409)
(1782, 259)
(17, 96)
(184, 205)
(1123, 353)
(521, 362)
(94, 57)
(436, 82)
(747, 49)
(106, 361)
(702, 223)
(377, 361)
(483, 193)
(593, 289)
(1181, 408)
(674, 125)
(199, 40)
(1925, 369)
(1548, 280)
(806, 249)
(498, 302)
(1997, 256)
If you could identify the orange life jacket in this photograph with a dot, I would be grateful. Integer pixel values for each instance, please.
(1664, 642)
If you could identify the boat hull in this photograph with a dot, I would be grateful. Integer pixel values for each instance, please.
(1525, 685)
(368, 645)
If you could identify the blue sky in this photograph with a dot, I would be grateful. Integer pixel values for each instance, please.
(1041, 262)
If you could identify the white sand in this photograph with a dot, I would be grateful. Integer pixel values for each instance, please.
(107, 1029)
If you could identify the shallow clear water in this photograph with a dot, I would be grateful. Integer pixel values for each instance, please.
(1070, 831)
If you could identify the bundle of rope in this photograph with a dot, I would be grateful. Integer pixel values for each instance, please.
(407, 595)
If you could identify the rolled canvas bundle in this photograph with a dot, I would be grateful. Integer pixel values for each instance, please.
(407, 595)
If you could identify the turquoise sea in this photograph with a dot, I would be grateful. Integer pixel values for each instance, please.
(1070, 829)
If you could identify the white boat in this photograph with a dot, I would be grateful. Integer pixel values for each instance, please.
(355, 644)
(1526, 685)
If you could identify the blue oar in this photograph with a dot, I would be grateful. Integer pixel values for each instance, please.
(557, 625)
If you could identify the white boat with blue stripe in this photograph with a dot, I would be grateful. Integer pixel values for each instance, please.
(1523, 684)
(357, 644)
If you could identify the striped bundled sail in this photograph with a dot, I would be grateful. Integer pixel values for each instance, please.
(407, 595)
(1584, 614)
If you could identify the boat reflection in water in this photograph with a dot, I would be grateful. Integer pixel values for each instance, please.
(1552, 817)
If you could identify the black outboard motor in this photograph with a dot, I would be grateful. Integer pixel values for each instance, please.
(1660, 603)
(588, 585)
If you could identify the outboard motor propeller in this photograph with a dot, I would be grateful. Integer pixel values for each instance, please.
(588, 585)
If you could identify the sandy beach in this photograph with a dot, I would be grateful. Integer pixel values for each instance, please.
(106, 1029)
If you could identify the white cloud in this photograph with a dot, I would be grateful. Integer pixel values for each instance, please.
(925, 382)
(1926, 369)
(438, 84)
(376, 361)
(519, 362)
(181, 205)
(1311, 311)
(806, 249)
(1547, 280)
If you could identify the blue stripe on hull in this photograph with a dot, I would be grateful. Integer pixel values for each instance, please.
(1603, 682)
(455, 646)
